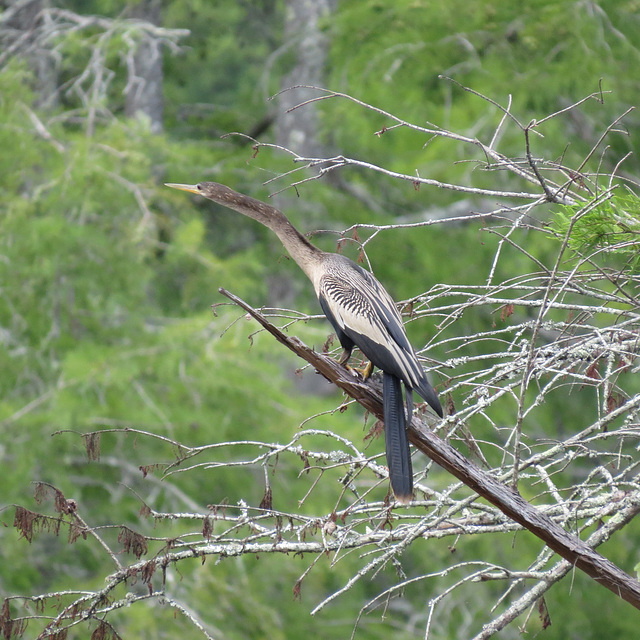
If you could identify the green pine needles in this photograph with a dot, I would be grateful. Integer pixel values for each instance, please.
(608, 227)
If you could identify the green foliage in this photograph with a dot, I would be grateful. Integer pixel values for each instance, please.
(107, 278)
(220, 83)
(106, 322)
(608, 227)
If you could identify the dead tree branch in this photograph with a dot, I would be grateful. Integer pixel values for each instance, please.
(565, 544)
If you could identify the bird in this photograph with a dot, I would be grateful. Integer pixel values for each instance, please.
(362, 315)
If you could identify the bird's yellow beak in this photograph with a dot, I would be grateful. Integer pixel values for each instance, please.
(191, 188)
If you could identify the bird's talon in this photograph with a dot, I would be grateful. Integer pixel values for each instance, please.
(364, 373)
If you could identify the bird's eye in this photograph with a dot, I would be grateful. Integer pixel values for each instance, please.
(199, 187)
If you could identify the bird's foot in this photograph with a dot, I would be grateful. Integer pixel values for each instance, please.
(364, 372)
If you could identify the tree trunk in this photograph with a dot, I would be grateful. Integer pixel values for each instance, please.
(144, 88)
(19, 31)
(298, 129)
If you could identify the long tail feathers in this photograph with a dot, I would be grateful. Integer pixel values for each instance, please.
(396, 439)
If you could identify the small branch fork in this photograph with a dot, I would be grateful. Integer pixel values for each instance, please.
(570, 547)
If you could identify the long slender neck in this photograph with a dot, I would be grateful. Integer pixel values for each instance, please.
(300, 249)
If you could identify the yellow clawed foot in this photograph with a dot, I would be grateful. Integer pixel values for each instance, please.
(364, 373)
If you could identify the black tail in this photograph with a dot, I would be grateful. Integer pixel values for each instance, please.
(396, 439)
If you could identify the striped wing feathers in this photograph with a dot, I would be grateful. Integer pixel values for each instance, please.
(362, 308)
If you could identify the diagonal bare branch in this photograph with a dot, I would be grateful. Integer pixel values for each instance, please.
(570, 547)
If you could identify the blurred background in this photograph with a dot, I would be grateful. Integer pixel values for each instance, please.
(107, 278)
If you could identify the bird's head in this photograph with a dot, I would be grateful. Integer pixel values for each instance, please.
(227, 197)
(212, 190)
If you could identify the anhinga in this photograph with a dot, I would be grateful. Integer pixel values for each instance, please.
(362, 314)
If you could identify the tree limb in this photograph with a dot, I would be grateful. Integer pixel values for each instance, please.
(565, 544)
